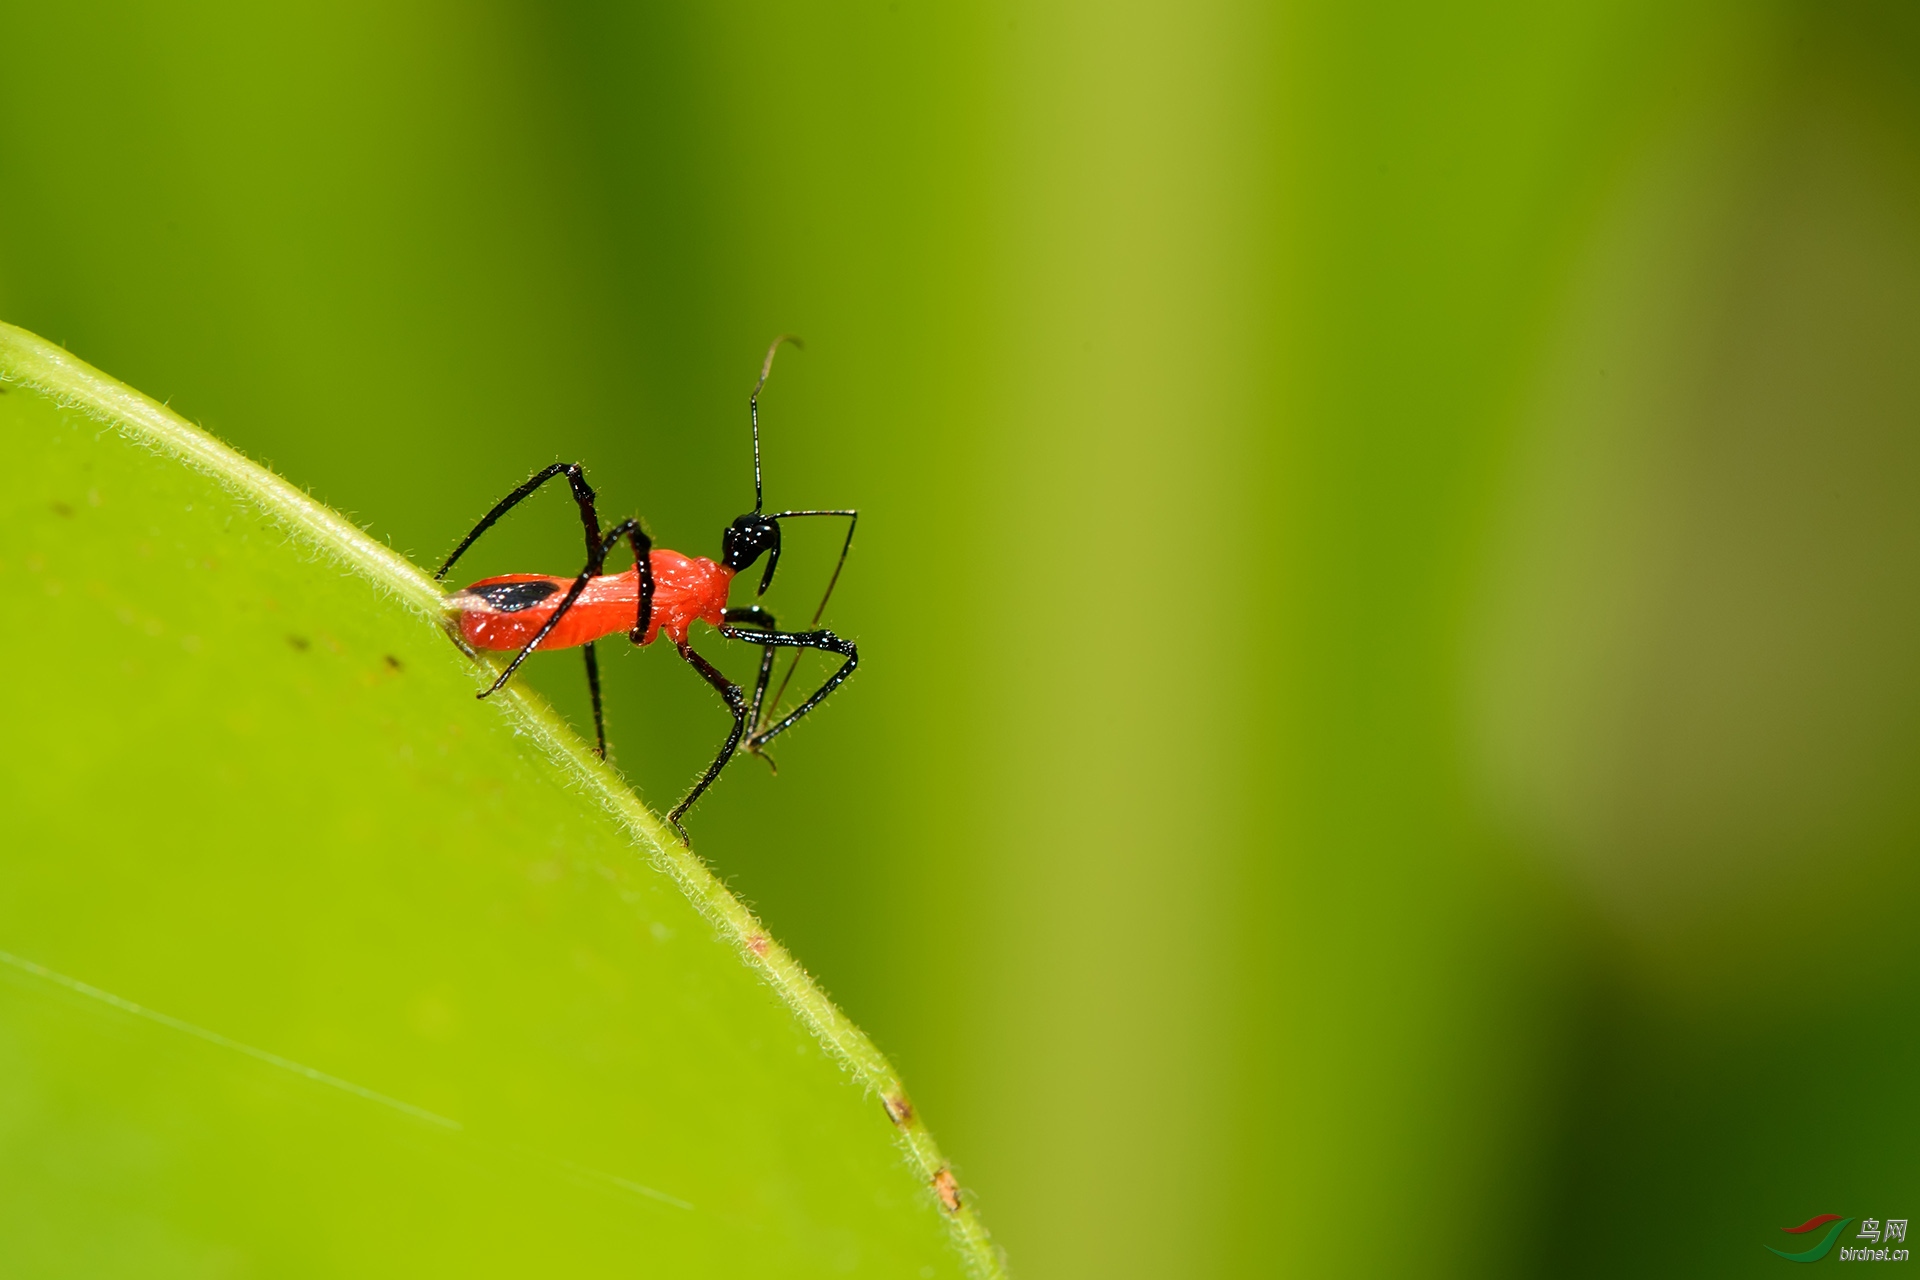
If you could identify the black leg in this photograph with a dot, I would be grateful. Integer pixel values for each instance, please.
(597, 558)
(643, 561)
(737, 704)
(755, 616)
(852, 518)
(582, 495)
(593, 691)
(597, 549)
(824, 640)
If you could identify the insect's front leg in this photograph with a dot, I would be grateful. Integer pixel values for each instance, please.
(758, 618)
(822, 640)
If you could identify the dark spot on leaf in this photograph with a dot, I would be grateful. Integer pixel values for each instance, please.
(393, 663)
(757, 943)
(62, 509)
(512, 597)
(899, 1110)
(948, 1190)
(300, 642)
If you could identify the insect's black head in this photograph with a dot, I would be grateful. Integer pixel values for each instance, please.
(747, 539)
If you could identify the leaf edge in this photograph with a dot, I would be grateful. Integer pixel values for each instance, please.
(32, 362)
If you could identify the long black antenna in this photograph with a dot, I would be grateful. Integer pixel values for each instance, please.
(753, 407)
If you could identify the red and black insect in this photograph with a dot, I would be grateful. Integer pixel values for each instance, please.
(664, 591)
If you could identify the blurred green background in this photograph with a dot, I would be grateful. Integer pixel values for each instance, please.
(1388, 567)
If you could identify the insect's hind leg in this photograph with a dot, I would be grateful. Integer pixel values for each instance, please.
(822, 640)
(582, 497)
(593, 692)
(737, 704)
(597, 547)
(596, 559)
(642, 546)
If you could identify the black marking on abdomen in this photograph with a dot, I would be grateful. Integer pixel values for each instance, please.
(512, 597)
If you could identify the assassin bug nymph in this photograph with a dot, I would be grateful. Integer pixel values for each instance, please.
(664, 591)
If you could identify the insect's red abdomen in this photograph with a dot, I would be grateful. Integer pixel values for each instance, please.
(506, 612)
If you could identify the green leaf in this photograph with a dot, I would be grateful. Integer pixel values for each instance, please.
(312, 963)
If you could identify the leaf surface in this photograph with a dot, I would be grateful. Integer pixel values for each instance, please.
(311, 963)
